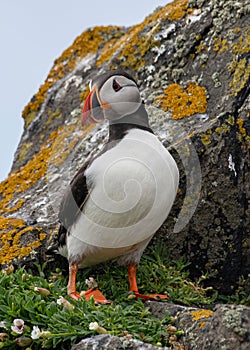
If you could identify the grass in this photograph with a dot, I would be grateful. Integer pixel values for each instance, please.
(62, 325)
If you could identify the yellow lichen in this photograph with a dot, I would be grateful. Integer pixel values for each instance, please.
(25, 147)
(242, 134)
(85, 44)
(205, 139)
(11, 231)
(199, 314)
(184, 103)
(64, 144)
(224, 128)
(177, 9)
(240, 67)
(25, 177)
(84, 94)
(133, 46)
(199, 47)
(242, 130)
(52, 116)
(220, 45)
(202, 324)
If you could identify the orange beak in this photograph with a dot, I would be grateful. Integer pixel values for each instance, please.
(92, 111)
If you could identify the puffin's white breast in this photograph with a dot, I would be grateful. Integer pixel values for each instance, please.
(132, 188)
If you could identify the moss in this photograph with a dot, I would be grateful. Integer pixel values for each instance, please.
(85, 44)
(11, 232)
(184, 103)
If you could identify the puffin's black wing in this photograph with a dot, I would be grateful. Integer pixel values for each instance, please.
(72, 202)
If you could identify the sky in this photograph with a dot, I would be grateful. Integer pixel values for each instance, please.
(33, 34)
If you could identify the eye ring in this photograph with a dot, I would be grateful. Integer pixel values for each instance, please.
(116, 86)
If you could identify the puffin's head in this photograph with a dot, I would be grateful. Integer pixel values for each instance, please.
(113, 96)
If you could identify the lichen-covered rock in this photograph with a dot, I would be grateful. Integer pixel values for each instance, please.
(225, 327)
(108, 342)
(191, 60)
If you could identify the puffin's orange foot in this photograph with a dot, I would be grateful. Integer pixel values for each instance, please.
(157, 297)
(74, 295)
(95, 293)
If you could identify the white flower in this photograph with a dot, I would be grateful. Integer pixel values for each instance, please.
(91, 283)
(65, 303)
(3, 325)
(18, 326)
(93, 326)
(35, 334)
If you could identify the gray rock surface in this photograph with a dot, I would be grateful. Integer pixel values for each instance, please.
(106, 342)
(226, 327)
(191, 60)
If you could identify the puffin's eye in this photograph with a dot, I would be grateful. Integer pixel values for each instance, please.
(116, 86)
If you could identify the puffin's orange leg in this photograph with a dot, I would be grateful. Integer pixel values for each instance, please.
(95, 293)
(71, 290)
(133, 286)
(99, 298)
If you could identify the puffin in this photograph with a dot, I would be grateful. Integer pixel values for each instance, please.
(119, 198)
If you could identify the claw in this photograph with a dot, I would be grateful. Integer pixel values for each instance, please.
(134, 288)
(95, 293)
(74, 295)
(157, 297)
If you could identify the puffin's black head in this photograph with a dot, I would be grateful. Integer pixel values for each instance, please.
(114, 96)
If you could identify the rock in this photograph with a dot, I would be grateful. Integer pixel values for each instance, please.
(108, 342)
(227, 327)
(191, 59)
(192, 62)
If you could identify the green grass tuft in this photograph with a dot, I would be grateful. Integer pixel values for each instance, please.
(61, 328)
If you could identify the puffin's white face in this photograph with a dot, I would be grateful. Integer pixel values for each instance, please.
(119, 96)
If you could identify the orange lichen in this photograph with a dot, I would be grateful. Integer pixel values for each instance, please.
(184, 103)
(25, 177)
(199, 314)
(133, 46)
(202, 324)
(85, 44)
(177, 9)
(11, 231)
(65, 142)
